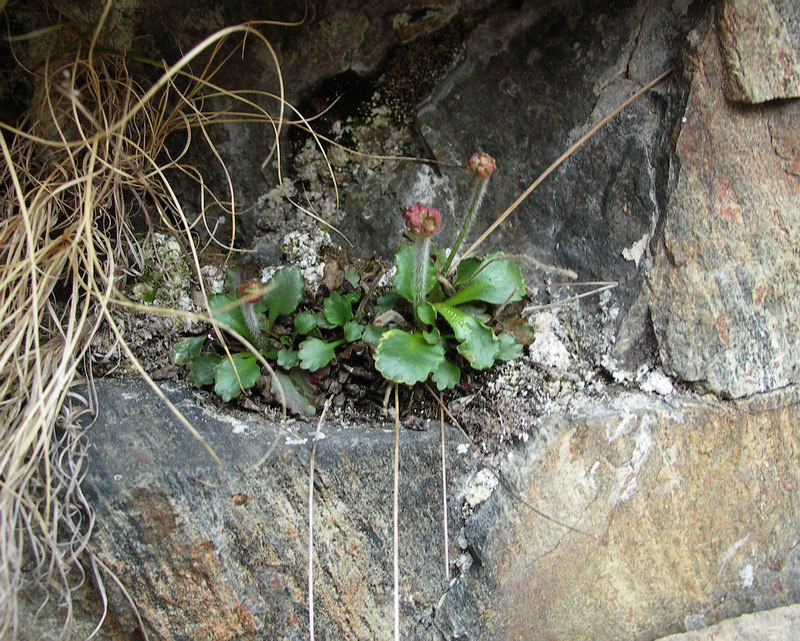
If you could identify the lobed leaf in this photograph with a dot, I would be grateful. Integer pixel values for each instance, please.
(337, 309)
(447, 376)
(353, 331)
(315, 353)
(234, 374)
(287, 358)
(478, 344)
(305, 322)
(351, 275)
(283, 294)
(407, 358)
(203, 368)
(510, 347)
(183, 352)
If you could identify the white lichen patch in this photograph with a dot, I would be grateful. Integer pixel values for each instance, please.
(635, 252)
(166, 279)
(480, 489)
(213, 278)
(658, 383)
(547, 348)
(303, 250)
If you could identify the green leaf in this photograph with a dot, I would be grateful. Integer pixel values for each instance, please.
(497, 280)
(478, 344)
(510, 347)
(225, 309)
(426, 313)
(315, 353)
(182, 353)
(477, 311)
(353, 331)
(295, 390)
(351, 275)
(337, 309)
(466, 268)
(433, 337)
(287, 358)
(203, 368)
(447, 376)
(322, 322)
(439, 254)
(372, 334)
(305, 322)
(283, 294)
(386, 302)
(403, 280)
(407, 358)
(353, 296)
(227, 384)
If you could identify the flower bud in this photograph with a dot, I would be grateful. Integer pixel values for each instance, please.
(421, 220)
(250, 292)
(481, 165)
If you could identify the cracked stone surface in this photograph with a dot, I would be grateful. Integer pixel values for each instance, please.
(687, 512)
(684, 513)
(724, 296)
(780, 624)
(761, 49)
(220, 553)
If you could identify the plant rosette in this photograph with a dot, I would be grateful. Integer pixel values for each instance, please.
(268, 317)
(450, 328)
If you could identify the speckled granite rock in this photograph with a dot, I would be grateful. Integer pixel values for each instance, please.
(780, 624)
(761, 49)
(725, 296)
(691, 510)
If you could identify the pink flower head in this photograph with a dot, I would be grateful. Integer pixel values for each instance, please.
(250, 292)
(421, 220)
(481, 165)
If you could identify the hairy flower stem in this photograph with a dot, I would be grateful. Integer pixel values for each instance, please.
(251, 320)
(422, 250)
(477, 198)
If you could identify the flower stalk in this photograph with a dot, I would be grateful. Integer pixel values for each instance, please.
(249, 294)
(480, 165)
(422, 222)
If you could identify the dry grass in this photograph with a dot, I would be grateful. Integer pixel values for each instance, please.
(90, 156)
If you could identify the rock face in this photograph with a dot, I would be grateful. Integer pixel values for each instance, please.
(687, 512)
(218, 553)
(761, 49)
(780, 624)
(724, 291)
(690, 512)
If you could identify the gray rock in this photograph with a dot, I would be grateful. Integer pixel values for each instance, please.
(760, 43)
(220, 553)
(688, 511)
(780, 624)
(724, 293)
